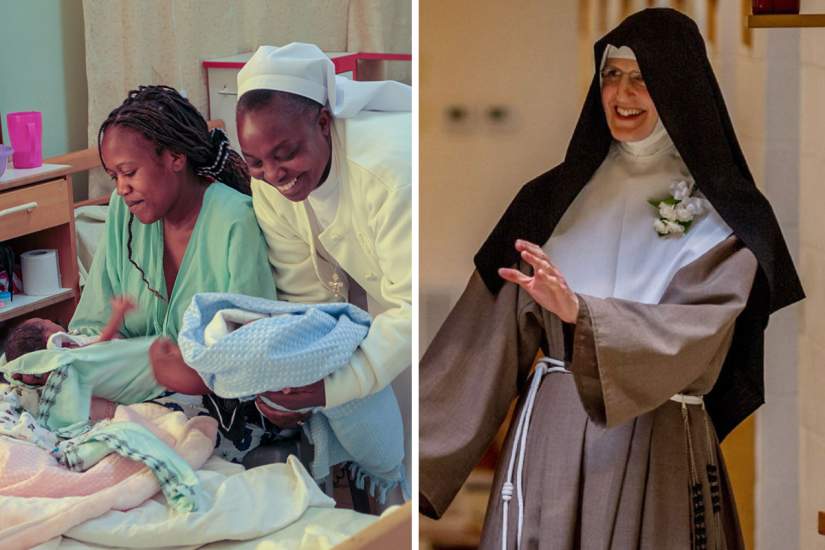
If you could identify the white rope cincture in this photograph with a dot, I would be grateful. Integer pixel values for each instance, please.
(519, 446)
(688, 399)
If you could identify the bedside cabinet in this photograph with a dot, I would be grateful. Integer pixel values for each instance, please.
(36, 211)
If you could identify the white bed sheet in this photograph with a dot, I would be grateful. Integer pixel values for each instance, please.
(273, 507)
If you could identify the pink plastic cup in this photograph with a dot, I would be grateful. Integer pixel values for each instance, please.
(26, 135)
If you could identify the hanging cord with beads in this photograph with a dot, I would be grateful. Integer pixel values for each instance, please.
(713, 482)
(696, 496)
(221, 144)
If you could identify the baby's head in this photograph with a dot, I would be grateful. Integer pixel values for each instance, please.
(30, 335)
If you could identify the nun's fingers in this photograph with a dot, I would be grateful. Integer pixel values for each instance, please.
(553, 294)
(514, 276)
(550, 279)
(551, 266)
(537, 251)
(537, 262)
(560, 281)
(522, 245)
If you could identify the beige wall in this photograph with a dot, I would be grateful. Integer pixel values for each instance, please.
(478, 54)
(812, 252)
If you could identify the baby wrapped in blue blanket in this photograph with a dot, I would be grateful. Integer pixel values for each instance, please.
(243, 346)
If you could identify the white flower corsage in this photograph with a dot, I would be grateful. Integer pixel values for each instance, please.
(677, 212)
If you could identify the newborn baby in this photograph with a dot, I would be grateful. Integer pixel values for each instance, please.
(35, 334)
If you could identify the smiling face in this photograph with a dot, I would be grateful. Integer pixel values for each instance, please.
(287, 147)
(631, 114)
(148, 181)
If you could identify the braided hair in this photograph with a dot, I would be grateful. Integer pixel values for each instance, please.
(167, 119)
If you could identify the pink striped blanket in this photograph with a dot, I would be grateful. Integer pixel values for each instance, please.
(29, 474)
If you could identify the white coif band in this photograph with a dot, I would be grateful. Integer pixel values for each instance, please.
(545, 365)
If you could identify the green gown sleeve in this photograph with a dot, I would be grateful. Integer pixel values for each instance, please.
(247, 262)
(104, 282)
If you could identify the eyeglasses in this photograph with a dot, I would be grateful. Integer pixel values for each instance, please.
(612, 76)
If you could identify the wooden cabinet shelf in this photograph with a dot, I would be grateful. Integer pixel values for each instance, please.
(786, 21)
(36, 211)
(22, 304)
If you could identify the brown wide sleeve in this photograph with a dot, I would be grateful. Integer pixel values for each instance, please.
(467, 380)
(629, 358)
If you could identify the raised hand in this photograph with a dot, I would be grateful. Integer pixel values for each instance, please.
(121, 305)
(547, 285)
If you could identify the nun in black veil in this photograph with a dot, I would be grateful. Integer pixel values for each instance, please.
(643, 269)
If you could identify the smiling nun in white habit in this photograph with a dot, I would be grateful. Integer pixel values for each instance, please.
(330, 160)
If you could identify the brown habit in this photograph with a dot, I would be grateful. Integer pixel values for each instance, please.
(607, 462)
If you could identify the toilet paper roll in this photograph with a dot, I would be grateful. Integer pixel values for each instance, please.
(41, 274)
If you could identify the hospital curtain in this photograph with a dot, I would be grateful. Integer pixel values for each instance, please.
(164, 42)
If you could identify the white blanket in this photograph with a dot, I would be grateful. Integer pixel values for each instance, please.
(278, 504)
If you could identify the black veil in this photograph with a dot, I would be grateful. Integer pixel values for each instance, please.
(672, 57)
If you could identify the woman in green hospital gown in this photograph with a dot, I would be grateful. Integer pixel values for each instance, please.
(173, 228)
(180, 222)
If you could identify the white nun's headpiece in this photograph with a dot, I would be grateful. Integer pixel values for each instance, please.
(612, 52)
(624, 52)
(303, 69)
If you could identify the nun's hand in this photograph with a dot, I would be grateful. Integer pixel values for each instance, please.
(282, 419)
(303, 397)
(547, 285)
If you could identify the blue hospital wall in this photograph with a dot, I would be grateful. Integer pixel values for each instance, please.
(43, 68)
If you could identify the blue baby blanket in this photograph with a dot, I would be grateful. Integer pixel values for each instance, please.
(292, 346)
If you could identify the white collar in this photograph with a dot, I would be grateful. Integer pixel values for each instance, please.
(328, 187)
(655, 143)
(324, 199)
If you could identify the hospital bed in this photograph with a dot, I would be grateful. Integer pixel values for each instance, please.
(318, 525)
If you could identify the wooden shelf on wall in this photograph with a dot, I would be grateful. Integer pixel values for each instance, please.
(22, 304)
(786, 21)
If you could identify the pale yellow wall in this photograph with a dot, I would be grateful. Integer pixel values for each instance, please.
(812, 251)
(476, 54)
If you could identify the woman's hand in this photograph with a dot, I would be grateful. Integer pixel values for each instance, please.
(171, 371)
(121, 306)
(547, 285)
(163, 353)
(304, 397)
